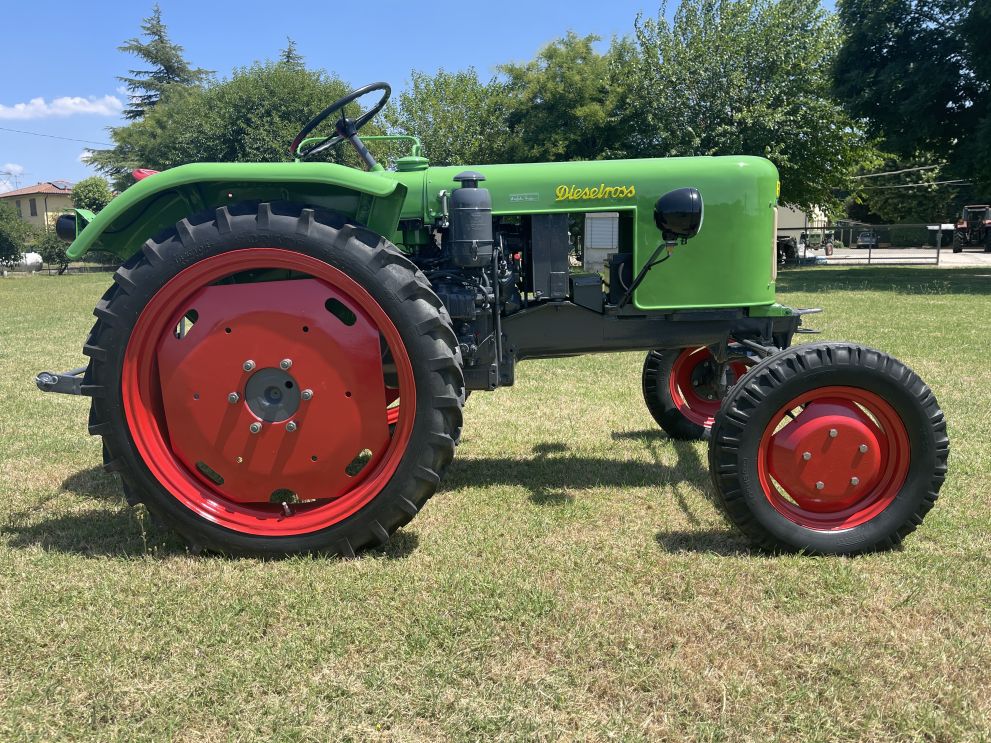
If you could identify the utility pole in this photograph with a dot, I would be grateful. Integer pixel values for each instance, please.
(6, 176)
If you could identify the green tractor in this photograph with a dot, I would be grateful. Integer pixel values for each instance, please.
(281, 362)
(973, 229)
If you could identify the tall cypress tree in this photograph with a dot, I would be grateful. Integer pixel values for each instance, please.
(168, 67)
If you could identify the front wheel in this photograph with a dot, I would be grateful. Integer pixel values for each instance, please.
(681, 391)
(270, 379)
(830, 448)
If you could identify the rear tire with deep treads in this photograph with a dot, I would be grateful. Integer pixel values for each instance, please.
(414, 313)
(828, 448)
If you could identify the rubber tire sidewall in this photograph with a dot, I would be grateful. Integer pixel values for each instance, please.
(656, 386)
(881, 374)
(353, 253)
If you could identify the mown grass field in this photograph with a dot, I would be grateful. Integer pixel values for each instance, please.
(572, 579)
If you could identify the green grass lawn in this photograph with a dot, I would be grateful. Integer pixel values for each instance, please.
(572, 578)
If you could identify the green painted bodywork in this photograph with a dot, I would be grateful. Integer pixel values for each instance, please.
(161, 200)
(730, 263)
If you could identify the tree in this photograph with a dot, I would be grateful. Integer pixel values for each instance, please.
(744, 77)
(168, 66)
(918, 73)
(14, 233)
(915, 197)
(252, 117)
(91, 193)
(290, 56)
(52, 251)
(456, 116)
(559, 106)
(563, 104)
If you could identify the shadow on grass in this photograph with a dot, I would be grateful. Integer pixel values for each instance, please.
(123, 533)
(724, 542)
(552, 470)
(901, 280)
(727, 542)
(552, 473)
(128, 532)
(550, 476)
(93, 483)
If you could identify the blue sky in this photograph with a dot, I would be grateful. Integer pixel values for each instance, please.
(60, 76)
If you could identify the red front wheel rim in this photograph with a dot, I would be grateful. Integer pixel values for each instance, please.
(833, 458)
(200, 443)
(692, 384)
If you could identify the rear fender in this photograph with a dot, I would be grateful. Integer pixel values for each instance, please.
(159, 201)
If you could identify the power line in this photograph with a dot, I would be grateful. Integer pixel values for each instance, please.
(896, 172)
(956, 182)
(55, 136)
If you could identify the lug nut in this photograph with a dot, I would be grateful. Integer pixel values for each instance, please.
(306, 394)
(807, 456)
(855, 481)
(833, 433)
(862, 448)
(291, 426)
(820, 485)
(248, 365)
(255, 427)
(233, 397)
(285, 364)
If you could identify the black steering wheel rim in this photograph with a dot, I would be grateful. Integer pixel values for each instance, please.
(352, 126)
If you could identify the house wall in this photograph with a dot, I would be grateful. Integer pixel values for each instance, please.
(48, 207)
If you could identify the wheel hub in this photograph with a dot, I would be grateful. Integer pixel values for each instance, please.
(247, 428)
(693, 383)
(272, 394)
(704, 380)
(829, 456)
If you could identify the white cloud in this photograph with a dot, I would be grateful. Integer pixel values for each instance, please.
(12, 168)
(83, 157)
(39, 108)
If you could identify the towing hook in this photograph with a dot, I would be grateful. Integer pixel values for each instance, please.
(65, 383)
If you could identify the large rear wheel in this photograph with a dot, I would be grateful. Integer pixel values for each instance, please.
(270, 379)
(830, 448)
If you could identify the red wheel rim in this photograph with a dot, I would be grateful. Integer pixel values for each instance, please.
(347, 406)
(833, 458)
(692, 384)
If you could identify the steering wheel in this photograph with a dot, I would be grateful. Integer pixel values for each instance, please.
(345, 128)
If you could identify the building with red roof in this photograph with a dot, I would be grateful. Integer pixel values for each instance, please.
(41, 203)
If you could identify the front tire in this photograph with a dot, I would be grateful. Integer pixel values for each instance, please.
(679, 388)
(260, 283)
(829, 448)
